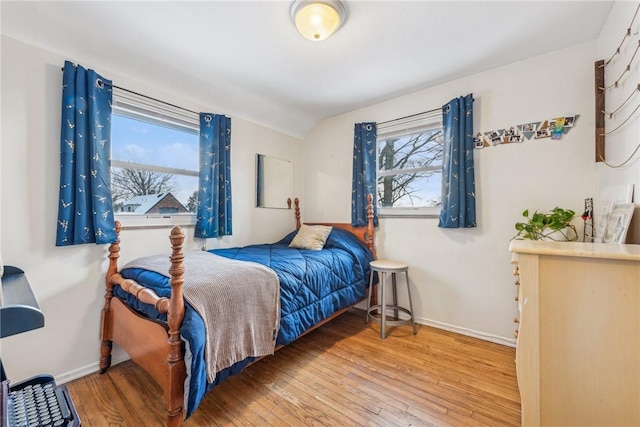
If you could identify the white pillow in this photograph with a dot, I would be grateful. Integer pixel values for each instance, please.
(311, 237)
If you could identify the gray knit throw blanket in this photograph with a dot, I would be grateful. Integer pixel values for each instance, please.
(239, 302)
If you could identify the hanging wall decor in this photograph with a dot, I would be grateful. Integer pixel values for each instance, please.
(551, 128)
(621, 66)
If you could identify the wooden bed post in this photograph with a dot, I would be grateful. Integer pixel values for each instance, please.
(297, 211)
(105, 334)
(174, 392)
(370, 229)
(370, 243)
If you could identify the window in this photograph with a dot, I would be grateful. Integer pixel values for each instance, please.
(154, 162)
(409, 165)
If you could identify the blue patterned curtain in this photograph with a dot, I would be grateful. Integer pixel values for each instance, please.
(458, 181)
(364, 173)
(85, 212)
(214, 195)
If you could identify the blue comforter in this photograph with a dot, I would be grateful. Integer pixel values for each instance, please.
(313, 285)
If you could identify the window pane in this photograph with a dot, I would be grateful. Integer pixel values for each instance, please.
(415, 190)
(137, 141)
(170, 210)
(142, 192)
(410, 168)
(416, 150)
(146, 190)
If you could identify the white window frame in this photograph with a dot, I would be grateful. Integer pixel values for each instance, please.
(402, 127)
(155, 112)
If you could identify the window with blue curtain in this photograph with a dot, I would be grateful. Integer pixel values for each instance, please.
(458, 176)
(154, 161)
(85, 211)
(409, 169)
(214, 194)
(364, 174)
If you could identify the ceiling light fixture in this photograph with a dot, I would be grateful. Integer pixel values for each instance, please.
(318, 19)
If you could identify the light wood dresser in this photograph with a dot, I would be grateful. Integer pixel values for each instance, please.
(578, 344)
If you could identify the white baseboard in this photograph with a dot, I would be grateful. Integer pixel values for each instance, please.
(88, 369)
(510, 342)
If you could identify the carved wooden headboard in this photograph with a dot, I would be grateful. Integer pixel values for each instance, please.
(365, 234)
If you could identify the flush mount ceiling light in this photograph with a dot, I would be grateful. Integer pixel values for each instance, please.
(317, 19)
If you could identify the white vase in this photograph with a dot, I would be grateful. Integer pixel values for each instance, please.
(563, 235)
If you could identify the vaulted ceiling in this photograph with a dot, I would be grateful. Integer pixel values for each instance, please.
(247, 59)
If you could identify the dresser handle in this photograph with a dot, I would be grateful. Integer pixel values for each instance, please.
(516, 298)
(515, 333)
(516, 320)
(516, 271)
(517, 282)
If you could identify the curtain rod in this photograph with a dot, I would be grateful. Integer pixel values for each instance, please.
(151, 98)
(409, 116)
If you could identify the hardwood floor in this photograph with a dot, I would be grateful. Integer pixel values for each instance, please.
(342, 374)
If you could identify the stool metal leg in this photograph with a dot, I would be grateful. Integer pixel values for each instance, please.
(366, 317)
(413, 320)
(383, 308)
(395, 295)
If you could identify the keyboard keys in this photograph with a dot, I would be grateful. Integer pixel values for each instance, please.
(39, 405)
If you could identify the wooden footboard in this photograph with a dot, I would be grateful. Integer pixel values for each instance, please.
(156, 346)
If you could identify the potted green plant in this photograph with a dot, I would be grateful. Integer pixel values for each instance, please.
(554, 225)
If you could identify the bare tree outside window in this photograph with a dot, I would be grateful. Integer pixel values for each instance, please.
(410, 168)
(128, 183)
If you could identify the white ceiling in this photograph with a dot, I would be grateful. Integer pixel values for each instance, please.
(246, 58)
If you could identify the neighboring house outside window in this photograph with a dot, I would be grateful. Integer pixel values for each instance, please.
(154, 162)
(164, 203)
(409, 165)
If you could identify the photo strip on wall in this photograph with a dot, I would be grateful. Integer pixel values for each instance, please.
(551, 128)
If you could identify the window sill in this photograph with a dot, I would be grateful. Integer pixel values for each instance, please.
(411, 215)
(409, 212)
(155, 226)
(155, 221)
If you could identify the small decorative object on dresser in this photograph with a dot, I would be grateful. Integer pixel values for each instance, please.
(617, 223)
(554, 225)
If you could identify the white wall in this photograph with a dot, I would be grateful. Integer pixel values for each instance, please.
(620, 144)
(462, 279)
(69, 281)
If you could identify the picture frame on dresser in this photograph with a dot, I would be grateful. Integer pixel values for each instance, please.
(616, 224)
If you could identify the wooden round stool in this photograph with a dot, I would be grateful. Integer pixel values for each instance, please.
(378, 312)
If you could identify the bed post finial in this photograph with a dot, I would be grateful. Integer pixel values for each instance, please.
(296, 202)
(106, 343)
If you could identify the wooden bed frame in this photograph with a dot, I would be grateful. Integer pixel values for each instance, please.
(156, 346)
